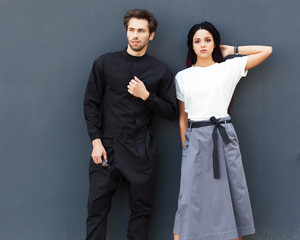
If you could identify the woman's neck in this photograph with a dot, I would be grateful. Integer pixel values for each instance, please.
(204, 62)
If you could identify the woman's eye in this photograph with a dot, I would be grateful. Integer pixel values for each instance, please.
(208, 40)
(197, 41)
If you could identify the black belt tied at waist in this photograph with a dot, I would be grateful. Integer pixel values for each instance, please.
(222, 131)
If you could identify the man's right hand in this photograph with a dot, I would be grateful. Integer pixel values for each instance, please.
(98, 151)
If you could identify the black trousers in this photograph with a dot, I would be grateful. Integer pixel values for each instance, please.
(132, 159)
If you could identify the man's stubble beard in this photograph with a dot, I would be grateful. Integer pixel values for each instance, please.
(138, 48)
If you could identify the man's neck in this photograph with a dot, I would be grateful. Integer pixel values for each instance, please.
(136, 53)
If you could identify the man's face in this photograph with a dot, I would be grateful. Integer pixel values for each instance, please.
(138, 34)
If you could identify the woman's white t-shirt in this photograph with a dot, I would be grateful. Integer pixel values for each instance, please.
(207, 91)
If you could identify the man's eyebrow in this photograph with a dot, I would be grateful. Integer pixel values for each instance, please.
(137, 28)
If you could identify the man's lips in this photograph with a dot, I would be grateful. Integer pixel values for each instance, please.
(135, 41)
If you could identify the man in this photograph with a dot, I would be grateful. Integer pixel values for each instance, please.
(123, 91)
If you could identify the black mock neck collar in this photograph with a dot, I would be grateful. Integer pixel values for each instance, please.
(131, 57)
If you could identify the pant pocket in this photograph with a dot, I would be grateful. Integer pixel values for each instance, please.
(186, 143)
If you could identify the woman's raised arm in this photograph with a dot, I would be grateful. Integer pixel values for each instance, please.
(256, 54)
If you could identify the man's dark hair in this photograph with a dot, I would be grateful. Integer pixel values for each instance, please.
(141, 14)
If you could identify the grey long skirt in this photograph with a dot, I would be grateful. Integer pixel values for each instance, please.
(208, 208)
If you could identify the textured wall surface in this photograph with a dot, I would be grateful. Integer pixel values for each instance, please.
(46, 52)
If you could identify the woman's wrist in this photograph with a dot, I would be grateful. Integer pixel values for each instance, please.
(236, 50)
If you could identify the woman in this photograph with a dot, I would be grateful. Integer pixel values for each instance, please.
(213, 201)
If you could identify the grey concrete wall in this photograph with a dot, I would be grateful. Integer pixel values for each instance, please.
(46, 52)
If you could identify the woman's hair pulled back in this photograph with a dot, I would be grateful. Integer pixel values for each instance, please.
(216, 54)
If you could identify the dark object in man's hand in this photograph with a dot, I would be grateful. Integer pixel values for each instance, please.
(105, 166)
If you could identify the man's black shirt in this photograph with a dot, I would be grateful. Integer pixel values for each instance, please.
(108, 106)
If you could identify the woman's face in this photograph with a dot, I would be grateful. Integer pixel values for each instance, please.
(203, 44)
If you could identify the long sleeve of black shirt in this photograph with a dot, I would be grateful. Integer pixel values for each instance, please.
(109, 107)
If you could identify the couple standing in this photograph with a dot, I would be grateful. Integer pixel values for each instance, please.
(125, 89)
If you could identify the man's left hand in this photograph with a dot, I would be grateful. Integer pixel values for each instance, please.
(138, 89)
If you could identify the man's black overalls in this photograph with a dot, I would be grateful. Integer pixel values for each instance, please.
(123, 123)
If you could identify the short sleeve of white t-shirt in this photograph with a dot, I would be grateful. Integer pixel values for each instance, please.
(179, 92)
(207, 91)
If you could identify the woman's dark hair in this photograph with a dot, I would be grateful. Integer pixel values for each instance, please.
(141, 14)
(216, 54)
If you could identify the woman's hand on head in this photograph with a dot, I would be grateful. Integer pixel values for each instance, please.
(226, 50)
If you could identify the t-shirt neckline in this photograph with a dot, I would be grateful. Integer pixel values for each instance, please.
(193, 66)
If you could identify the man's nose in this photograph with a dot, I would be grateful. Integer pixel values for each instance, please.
(135, 34)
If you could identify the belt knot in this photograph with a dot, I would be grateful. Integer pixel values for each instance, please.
(215, 121)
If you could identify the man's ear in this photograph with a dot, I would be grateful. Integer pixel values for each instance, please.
(151, 36)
